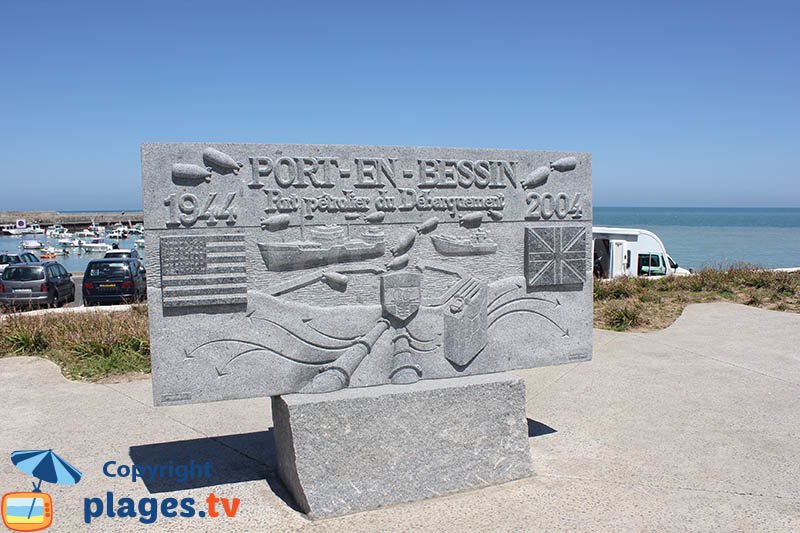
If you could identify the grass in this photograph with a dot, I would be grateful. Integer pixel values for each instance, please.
(644, 304)
(97, 345)
(85, 345)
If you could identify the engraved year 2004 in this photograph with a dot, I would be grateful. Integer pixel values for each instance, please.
(187, 209)
(546, 206)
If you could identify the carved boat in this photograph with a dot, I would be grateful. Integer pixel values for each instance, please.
(327, 245)
(478, 244)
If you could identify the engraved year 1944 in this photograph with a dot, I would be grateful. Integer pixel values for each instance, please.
(186, 209)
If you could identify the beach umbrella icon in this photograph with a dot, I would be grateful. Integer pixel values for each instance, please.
(45, 465)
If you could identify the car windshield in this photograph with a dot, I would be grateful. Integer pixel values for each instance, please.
(118, 254)
(108, 270)
(23, 273)
(9, 259)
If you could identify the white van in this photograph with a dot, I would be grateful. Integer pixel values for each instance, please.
(621, 252)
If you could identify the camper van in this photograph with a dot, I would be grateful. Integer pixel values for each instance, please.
(621, 252)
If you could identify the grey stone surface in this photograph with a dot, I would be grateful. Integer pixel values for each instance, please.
(358, 449)
(308, 268)
(692, 428)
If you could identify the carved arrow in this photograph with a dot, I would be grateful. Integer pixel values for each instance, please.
(307, 322)
(556, 303)
(252, 319)
(565, 332)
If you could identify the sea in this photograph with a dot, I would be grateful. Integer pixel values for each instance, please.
(716, 237)
(694, 237)
(77, 259)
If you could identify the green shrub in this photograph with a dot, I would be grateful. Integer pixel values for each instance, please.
(622, 316)
(22, 342)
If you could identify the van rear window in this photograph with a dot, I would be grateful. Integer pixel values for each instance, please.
(108, 270)
(23, 273)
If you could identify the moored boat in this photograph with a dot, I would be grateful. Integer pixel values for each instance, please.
(478, 243)
(30, 244)
(33, 229)
(67, 242)
(95, 245)
(327, 245)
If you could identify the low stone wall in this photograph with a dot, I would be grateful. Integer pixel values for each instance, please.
(47, 218)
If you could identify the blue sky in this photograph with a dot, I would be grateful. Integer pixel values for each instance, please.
(681, 103)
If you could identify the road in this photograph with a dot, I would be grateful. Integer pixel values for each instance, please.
(692, 427)
(77, 279)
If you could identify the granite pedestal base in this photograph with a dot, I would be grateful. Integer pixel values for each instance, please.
(362, 448)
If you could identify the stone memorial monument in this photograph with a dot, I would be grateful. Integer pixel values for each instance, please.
(377, 294)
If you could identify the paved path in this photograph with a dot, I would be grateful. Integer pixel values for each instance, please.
(696, 427)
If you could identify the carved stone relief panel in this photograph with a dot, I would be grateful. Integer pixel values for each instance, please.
(284, 268)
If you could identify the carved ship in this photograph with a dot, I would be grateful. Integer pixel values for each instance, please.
(326, 245)
(478, 244)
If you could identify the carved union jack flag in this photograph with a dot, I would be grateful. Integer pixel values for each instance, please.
(555, 256)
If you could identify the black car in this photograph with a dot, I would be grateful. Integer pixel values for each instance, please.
(30, 284)
(7, 258)
(120, 280)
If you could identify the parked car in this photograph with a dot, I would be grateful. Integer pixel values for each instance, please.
(124, 253)
(114, 281)
(32, 284)
(12, 259)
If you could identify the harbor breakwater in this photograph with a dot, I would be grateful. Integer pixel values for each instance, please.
(71, 220)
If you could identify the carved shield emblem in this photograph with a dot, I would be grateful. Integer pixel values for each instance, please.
(401, 294)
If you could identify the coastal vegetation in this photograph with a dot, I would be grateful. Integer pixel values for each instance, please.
(86, 346)
(643, 304)
(96, 345)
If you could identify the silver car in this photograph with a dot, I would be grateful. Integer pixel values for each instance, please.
(33, 284)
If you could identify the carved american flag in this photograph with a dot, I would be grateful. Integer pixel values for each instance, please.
(555, 256)
(200, 270)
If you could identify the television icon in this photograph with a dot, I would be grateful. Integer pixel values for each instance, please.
(27, 511)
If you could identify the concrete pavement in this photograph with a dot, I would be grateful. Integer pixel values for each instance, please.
(696, 427)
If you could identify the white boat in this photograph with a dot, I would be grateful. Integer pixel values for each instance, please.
(97, 230)
(33, 229)
(85, 234)
(95, 245)
(117, 234)
(619, 252)
(51, 251)
(29, 244)
(136, 229)
(69, 242)
(8, 229)
(56, 230)
(59, 234)
(139, 243)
